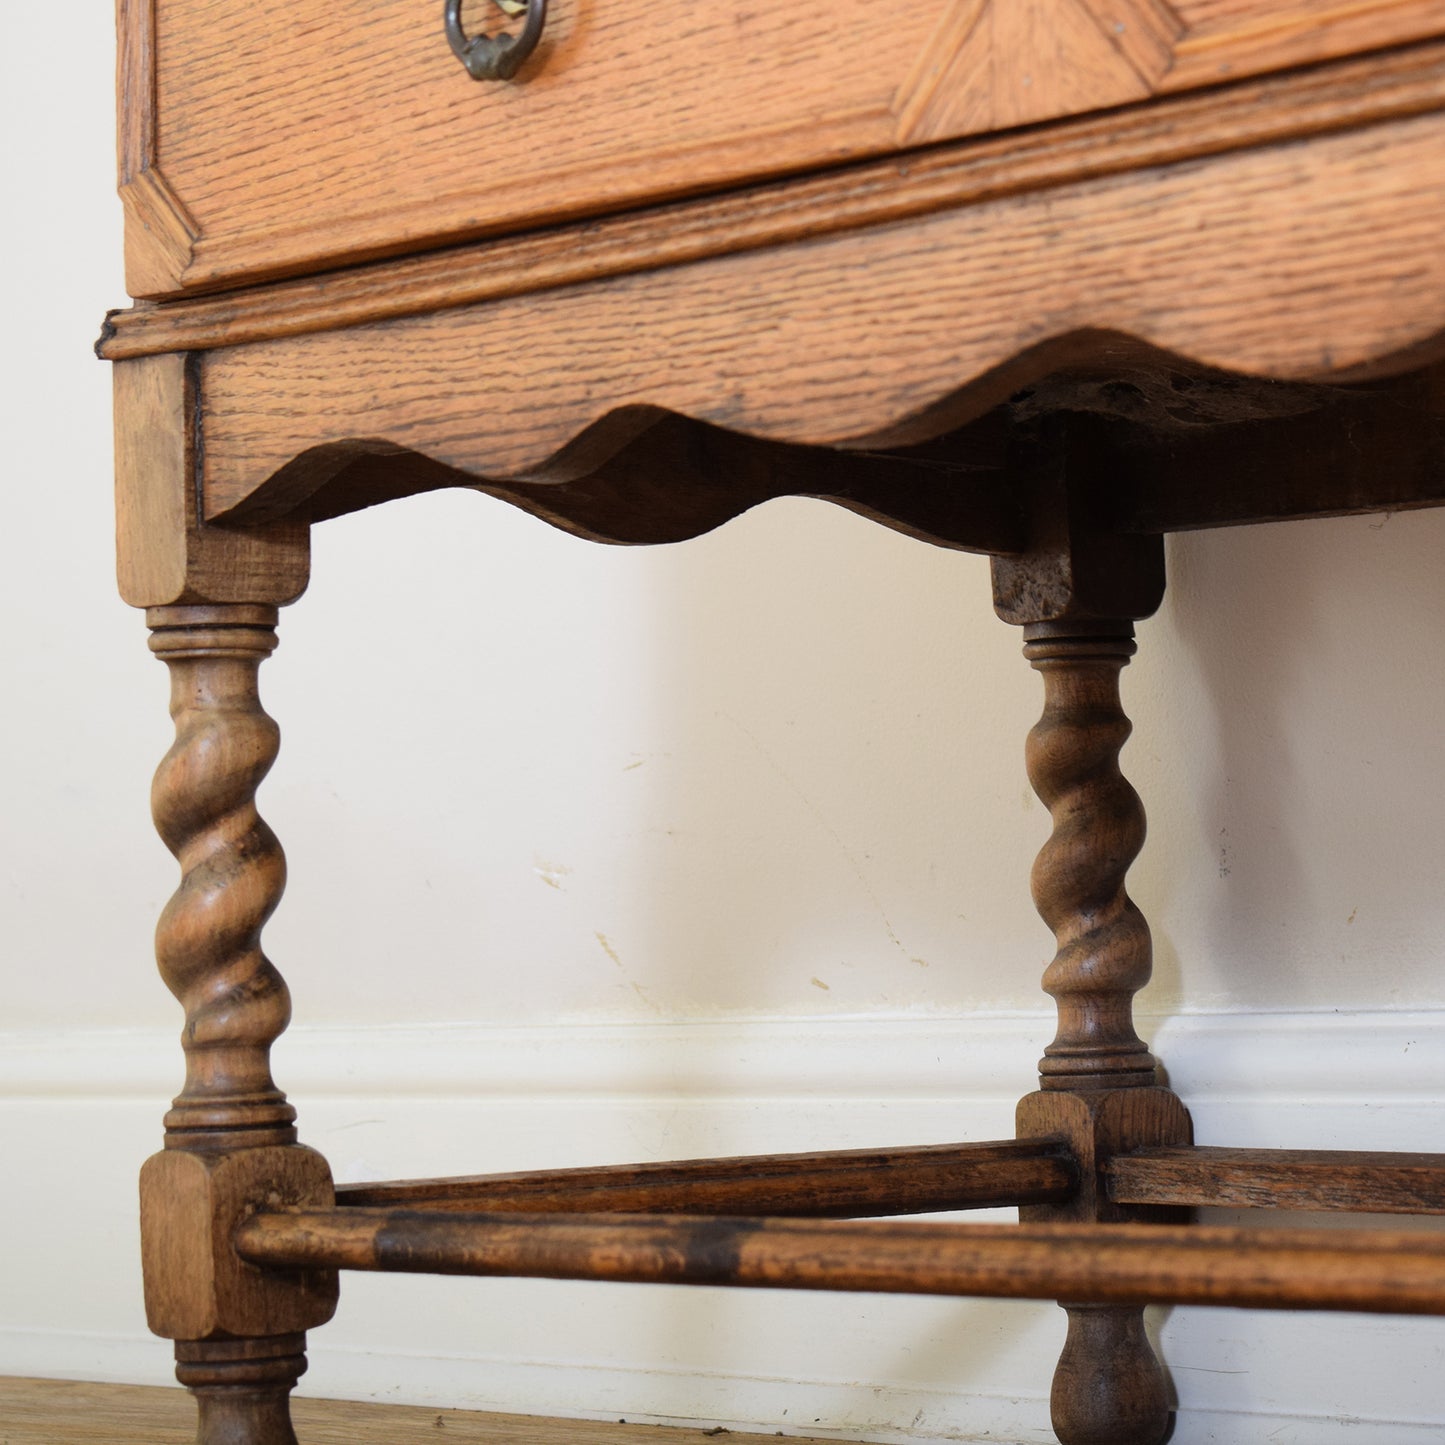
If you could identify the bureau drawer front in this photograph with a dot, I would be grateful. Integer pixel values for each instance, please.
(283, 136)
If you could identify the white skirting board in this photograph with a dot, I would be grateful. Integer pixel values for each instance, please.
(81, 1111)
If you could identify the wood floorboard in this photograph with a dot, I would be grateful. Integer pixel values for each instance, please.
(69, 1412)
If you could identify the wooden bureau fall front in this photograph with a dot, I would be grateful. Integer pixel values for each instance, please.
(1041, 279)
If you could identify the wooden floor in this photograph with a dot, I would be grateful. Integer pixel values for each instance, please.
(63, 1412)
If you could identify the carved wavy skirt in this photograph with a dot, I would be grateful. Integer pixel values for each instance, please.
(645, 395)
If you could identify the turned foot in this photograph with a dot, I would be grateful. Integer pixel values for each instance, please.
(243, 1388)
(1109, 1389)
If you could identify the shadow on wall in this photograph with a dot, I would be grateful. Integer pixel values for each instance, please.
(778, 770)
(841, 722)
(840, 824)
(1292, 715)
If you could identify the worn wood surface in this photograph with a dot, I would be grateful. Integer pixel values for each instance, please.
(1108, 1388)
(230, 1134)
(1296, 105)
(195, 1287)
(1100, 1125)
(1104, 952)
(1073, 567)
(1154, 445)
(1098, 1080)
(242, 1387)
(66, 1412)
(1253, 260)
(233, 872)
(1382, 1271)
(1280, 1179)
(1377, 449)
(165, 553)
(292, 136)
(838, 1184)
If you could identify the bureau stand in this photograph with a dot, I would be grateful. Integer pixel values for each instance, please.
(1201, 284)
(243, 1231)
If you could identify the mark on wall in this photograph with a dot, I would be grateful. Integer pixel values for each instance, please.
(637, 988)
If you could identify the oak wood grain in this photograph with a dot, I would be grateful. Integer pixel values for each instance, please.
(1104, 953)
(1377, 1271)
(294, 136)
(230, 1142)
(233, 873)
(165, 553)
(195, 1287)
(1109, 1387)
(243, 1386)
(1321, 262)
(1292, 106)
(299, 133)
(160, 233)
(1301, 1179)
(993, 64)
(1228, 37)
(1077, 591)
(837, 1184)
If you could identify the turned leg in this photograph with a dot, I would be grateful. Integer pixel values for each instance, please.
(208, 941)
(1076, 593)
(1104, 952)
(230, 1136)
(1097, 1076)
(211, 595)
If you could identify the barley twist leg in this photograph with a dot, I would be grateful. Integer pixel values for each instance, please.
(233, 872)
(1097, 1076)
(230, 1135)
(1104, 953)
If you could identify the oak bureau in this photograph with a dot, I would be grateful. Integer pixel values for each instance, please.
(1041, 279)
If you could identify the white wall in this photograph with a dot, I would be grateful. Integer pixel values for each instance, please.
(603, 854)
